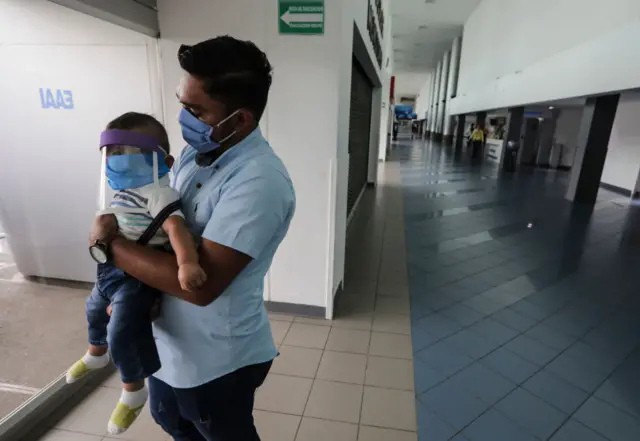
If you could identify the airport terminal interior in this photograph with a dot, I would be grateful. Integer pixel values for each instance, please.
(461, 263)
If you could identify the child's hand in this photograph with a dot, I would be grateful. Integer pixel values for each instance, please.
(191, 276)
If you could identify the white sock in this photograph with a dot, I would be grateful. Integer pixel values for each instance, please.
(134, 399)
(85, 365)
(96, 362)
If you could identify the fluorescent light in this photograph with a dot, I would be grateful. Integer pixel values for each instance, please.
(551, 107)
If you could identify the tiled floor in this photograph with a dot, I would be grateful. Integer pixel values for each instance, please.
(505, 315)
(525, 311)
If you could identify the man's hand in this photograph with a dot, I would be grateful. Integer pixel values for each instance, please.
(191, 276)
(104, 229)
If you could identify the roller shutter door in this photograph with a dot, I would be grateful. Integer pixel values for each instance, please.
(359, 132)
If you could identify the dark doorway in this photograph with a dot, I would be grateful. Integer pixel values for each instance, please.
(530, 141)
(359, 133)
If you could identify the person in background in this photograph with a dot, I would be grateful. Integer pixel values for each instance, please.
(471, 129)
(477, 142)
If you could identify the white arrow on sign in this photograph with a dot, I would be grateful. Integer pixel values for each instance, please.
(289, 18)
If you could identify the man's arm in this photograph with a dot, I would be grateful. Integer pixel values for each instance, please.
(160, 270)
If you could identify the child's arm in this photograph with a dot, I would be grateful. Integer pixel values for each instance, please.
(190, 274)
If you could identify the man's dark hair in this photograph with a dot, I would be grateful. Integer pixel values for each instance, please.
(135, 120)
(234, 72)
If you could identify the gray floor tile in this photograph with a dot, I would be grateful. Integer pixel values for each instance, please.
(483, 305)
(462, 314)
(483, 383)
(623, 393)
(550, 337)
(426, 377)
(453, 404)
(438, 325)
(510, 365)
(420, 338)
(599, 359)
(561, 394)
(574, 431)
(430, 426)
(472, 344)
(577, 373)
(530, 310)
(445, 358)
(531, 413)
(514, 320)
(608, 421)
(532, 350)
(493, 331)
(494, 426)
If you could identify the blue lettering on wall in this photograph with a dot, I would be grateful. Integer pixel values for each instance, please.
(56, 99)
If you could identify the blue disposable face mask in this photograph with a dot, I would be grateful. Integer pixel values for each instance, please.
(199, 134)
(132, 171)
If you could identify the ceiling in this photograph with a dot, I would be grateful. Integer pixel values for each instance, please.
(424, 30)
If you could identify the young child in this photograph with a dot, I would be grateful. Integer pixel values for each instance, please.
(130, 141)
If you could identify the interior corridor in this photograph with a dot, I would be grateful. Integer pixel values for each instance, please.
(476, 307)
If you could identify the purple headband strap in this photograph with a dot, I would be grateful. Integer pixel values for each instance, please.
(125, 137)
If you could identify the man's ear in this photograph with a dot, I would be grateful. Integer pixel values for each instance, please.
(246, 119)
(169, 160)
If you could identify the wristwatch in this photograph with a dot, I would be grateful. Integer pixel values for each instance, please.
(100, 252)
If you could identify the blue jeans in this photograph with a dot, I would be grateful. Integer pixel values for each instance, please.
(127, 332)
(221, 410)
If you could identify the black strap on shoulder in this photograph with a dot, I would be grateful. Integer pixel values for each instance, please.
(157, 222)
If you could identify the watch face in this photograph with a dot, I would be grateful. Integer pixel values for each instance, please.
(98, 253)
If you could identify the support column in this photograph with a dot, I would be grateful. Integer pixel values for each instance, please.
(481, 119)
(430, 105)
(436, 101)
(513, 133)
(454, 67)
(547, 132)
(460, 131)
(591, 148)
(443, 96)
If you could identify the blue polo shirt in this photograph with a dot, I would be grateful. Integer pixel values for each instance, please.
(245, 201)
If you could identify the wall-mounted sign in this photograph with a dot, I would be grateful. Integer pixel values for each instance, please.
(301, 17)
(380, 12)
(374, 35)
(56, 99)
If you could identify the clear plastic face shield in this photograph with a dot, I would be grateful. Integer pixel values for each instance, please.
(129, 160)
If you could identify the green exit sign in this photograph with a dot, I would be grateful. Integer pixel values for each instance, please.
(301, 17)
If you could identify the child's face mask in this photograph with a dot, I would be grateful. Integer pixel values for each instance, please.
(135, 160)
(133, 170)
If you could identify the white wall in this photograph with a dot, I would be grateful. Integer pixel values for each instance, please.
(50, 166)
(386, 115)
(423, 100)
(567, 128)
(409, 83)
(623, 158)
(306, 121)
(518, 51)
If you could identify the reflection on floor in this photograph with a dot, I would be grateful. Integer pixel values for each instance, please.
(525, 312)
(519, 319)
(350, 379)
